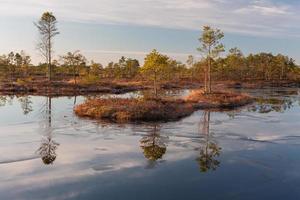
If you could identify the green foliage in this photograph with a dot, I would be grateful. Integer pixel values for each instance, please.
(15, 64)
(74, 61)
(154, 67)
(262, 66)
(210, 42)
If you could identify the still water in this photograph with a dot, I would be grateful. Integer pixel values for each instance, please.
(250, 153)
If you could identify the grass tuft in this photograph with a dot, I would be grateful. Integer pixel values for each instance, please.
(218, 99)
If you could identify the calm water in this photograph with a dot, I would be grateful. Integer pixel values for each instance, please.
(251, 153)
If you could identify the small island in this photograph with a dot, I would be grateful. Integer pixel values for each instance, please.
(120, 110)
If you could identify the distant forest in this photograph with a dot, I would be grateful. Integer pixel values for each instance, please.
(235, 66)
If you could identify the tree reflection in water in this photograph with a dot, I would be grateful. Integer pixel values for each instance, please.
(4, 100)
(210, 150)
(48, 147)
(25, 101)
(26, 104)
(47, 150)
(266, 105)
(153, 146)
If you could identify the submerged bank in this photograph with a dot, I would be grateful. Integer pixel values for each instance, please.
(62, 88)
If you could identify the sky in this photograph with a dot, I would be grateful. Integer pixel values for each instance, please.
(105, 30)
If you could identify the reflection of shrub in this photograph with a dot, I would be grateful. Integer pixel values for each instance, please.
(117, 109)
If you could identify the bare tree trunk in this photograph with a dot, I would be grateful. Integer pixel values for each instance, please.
(49, 111)
(205, 123)
(74, 74)
(155, 86)
(282, 72)
(49, 59)
(205, 78)
(209, 76)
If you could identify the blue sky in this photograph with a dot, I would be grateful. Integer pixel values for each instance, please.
(104, 30)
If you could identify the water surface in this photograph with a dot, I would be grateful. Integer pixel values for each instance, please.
(250, 153)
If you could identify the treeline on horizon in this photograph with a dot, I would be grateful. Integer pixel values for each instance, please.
(234, 66)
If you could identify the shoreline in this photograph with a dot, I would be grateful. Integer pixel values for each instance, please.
(64, 88)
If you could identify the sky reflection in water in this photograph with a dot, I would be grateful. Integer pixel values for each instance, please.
(250, 153)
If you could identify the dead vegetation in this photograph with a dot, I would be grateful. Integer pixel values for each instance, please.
(124, 110)
(161, 109)
(222, 100)
(65, 88)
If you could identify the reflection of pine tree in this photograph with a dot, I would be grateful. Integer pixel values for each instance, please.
(48, 147)
(47, 150)
(207, 159)
(3, 100)
(26, 104)
(210, 150)
(153, 146)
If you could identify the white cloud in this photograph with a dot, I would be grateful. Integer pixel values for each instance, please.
(264, 8)
(256, 17)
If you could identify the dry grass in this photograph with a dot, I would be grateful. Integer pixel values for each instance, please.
(64, 88)
(124, 110)
(218, 99)
(163, 109)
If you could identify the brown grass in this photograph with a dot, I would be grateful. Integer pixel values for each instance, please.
(218, 99)
(163, 109)
(124, 110)
(64, 88)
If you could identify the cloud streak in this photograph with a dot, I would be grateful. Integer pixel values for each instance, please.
(253, 17)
